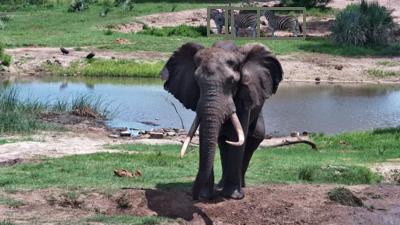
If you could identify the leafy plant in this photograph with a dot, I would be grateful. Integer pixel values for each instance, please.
(363, 24)
(305, 3)
(181, 30)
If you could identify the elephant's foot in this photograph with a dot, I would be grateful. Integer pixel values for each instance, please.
(220, 185)
(206, 194)
(233, 193)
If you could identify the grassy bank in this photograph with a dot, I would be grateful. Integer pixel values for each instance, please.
(341, 159)
(109, 68)
(18, 115)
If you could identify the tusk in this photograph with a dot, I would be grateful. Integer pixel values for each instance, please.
(239, 131)
(190, 135)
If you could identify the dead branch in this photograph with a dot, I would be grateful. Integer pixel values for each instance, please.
(300, 141)
(176, 110)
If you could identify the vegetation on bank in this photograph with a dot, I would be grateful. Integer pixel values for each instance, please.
(342, 158)
(382, 73)
(5, 59)
(367, 23)
(110, 68)
(17, 115)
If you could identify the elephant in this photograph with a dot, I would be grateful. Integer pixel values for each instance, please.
(226, 86)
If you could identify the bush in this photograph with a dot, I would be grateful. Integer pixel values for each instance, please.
(363, 24)
(4, 58)
(181, 30)
(305, 3)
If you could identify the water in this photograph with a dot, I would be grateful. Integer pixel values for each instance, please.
(296, 107)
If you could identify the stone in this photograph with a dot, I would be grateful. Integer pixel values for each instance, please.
(339, 67)
(156, 135)
(171, 133)
(113, 135)
(294, 134)
(125, 133)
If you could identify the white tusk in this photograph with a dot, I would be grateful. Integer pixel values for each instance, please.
(190, 135)
(239, 131)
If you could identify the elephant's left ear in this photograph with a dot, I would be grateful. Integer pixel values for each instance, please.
(260, 75)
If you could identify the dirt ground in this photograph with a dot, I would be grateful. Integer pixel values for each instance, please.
(266, 204)
(28, 64)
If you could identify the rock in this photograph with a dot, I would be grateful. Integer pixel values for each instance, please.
(156, 135)
(317, 79)
(49, 62)
(294, 134)
(305, 133)
(123, 173)
(125, 133)
(171, 133)
(57, 61)
(339, 67)
(330, 78)
(113, 135)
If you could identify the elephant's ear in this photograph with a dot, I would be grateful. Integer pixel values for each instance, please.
(178, 74)
(260, 75)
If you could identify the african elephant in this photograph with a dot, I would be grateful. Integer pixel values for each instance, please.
(226, 86)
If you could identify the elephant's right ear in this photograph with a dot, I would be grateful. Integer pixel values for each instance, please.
(178, 74)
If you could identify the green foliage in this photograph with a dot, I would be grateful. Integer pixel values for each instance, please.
(18, 115)
(181, 30)
(78, 5)
(338, 174)
(111, 68)
(305, 3)
(10, 202)
(126, 219)
(344, 196)
(382, 73)
(5, 59)
(6, 223)
(363, 24)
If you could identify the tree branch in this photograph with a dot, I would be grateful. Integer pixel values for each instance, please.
(176, 110)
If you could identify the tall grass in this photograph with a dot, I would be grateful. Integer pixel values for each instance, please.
(181, 30)
(18, 115)
(4, 58)
(111, 68)
(363, 24)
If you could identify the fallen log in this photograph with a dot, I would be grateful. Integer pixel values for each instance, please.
(300, 141)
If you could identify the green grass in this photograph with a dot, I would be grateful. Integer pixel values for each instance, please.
(181, 30)
(388, 63)
(10, 202)
(60, 28)
(6, 223)
(343, 158)
(18, 115)
(110, 68)
(382, 73)
(126, 219)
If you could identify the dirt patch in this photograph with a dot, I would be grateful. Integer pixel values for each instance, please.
(194, 17)
(267, 204)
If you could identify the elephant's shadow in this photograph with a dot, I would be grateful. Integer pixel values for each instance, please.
(174, 200)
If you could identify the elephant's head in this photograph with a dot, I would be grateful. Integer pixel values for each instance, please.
(214, 82)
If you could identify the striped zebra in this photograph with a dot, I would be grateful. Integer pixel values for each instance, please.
(283, 23)
(243, 20)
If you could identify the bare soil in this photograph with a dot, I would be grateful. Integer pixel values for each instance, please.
(266, 204)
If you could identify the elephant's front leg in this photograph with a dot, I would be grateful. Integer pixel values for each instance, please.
(254, 138)
(231, 160)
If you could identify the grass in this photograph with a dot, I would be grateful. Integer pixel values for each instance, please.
(181, 30)
(344, 196)
(343, 158)
(10, 202)
(382, 73)
(28, 28)
(5, 222)
(4, 58)
(111, 68)
(388, 63)
(126, 219)
(18, 115)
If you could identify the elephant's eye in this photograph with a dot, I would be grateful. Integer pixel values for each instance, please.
(231, 63)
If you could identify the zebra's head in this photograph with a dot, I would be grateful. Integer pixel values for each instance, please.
(218, 17)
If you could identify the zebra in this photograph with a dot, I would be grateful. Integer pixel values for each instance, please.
(283, 23)
(244, 19)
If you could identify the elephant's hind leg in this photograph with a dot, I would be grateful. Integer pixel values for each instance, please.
(254, 139)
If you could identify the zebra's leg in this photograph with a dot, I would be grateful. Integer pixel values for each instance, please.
(253, 32)
(219, 29)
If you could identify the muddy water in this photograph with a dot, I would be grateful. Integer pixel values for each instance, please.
(143, 104)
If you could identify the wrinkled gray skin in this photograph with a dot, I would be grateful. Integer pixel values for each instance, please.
(216, 82)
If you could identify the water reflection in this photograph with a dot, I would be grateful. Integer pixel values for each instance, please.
(296, 107)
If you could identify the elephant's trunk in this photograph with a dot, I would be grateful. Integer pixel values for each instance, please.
(209, 130)
(211, 115)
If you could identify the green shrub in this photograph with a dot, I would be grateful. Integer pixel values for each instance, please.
(363, 24)
(6, 60)
(181, 30)
(305, 3)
